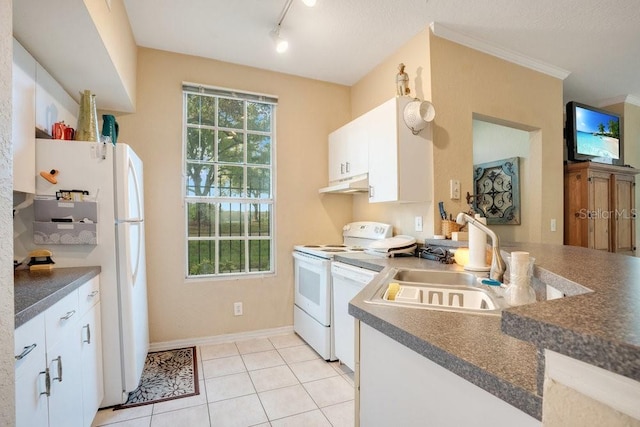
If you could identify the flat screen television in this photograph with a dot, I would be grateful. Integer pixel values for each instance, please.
(593, 135)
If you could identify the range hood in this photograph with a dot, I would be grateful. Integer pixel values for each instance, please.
(357, 184)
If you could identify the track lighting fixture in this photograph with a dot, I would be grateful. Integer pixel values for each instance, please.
(281, 43)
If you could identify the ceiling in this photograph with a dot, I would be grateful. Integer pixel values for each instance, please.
(594, 43)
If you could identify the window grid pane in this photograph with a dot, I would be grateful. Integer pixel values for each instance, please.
(229, 204)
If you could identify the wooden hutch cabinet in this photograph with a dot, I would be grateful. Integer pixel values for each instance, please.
(599, 207)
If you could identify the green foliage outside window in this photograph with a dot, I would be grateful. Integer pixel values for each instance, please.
(229, 185)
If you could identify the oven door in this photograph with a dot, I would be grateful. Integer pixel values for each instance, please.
(313, 286)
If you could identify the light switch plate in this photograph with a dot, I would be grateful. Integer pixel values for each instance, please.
(454, 189)
(418, 223)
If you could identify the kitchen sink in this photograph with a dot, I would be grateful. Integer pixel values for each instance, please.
(434, 277)
(436, 290)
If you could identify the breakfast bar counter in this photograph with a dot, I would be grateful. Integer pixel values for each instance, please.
(596, 323)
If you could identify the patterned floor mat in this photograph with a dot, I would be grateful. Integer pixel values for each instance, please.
(167, 375)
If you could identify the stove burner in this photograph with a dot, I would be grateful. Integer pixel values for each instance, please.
(311, 246)
(334, 250)
(336, 246)
(357, 249)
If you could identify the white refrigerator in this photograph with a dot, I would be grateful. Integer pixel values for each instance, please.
(112, 176)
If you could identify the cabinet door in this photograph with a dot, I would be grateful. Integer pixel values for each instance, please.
(348, 147)
(337, 153)
(624, 214)
(91, 351)
(383, 153)
(31, 388)
(64, 362)
(23, 120)
(600, 211)
(53, 103)
(62, 322)
(576, 209)
(357, 156)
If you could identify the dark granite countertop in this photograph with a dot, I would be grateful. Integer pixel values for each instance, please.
(35, 291)
(597, 322)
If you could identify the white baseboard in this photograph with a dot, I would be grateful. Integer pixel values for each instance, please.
(218, 339)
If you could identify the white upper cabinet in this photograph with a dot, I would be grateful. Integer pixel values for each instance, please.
(348, 151)
(53, 103)
(400, 163)
(23, 120)
(38, 101)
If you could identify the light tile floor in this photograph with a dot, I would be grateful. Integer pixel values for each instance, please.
(275, 381)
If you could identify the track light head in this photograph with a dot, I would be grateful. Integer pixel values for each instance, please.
(281, 44)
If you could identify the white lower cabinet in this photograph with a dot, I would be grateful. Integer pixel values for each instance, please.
(59, 382)
(63, 361)
(91, 353)
(32, 406)
(399, 387)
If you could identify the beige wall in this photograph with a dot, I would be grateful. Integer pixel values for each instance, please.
(372, 90)
(466, 82)
(463, 83)
(7, 400)
(307, 111)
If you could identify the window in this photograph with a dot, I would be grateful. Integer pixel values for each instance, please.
(229, 201)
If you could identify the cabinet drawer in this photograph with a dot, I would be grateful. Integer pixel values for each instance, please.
(61, 317)
(88, 295)
(29, 342)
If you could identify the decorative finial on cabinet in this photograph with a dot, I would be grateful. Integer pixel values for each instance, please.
(402, 82)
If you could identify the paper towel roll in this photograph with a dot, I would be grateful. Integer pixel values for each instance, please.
(477, 247)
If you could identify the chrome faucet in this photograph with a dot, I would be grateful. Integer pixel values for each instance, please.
(498, 265)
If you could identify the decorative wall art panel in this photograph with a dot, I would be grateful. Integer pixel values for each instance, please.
(497, 191)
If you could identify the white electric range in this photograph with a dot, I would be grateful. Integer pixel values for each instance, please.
(312, 318)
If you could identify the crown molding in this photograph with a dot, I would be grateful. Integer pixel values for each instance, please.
(499, 52)
(633, 99)
(626, 99)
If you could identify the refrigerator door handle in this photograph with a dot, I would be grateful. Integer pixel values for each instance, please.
(120, 221)
(136, 186)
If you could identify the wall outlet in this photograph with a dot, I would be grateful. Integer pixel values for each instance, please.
(237, 309)
(454, 189)
(418, 223)
(553, 224)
